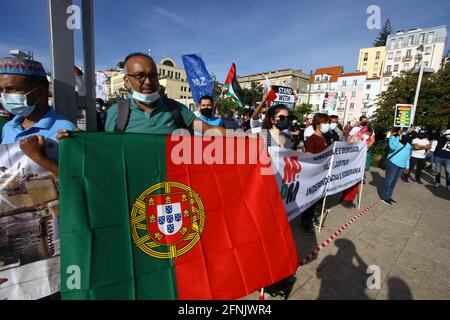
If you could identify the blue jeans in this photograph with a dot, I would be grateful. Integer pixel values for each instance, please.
(393, 173)
(439, 163)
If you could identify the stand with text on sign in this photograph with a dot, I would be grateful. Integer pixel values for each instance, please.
(285, 95)
(403, 115)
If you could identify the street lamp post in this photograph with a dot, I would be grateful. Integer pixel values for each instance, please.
(419, 83)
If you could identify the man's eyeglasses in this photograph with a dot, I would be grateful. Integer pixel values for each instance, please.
(141, 76)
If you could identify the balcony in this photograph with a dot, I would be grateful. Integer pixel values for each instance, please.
(407, 58)
(387, 73)
(397, 59)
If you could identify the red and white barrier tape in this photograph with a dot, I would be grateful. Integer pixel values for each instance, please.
(337, 233)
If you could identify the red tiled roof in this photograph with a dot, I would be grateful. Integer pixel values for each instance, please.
(333, 71)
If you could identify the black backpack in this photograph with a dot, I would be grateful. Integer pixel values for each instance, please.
(124, 114)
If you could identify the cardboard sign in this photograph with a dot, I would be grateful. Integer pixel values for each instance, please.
(403, 115)
(285, 95)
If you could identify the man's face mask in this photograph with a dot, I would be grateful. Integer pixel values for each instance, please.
(146, 99)
(18, 104)
(206, 112)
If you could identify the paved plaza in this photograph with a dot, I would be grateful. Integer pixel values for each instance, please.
(409, 242)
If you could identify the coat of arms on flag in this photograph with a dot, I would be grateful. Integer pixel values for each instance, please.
(175, 219)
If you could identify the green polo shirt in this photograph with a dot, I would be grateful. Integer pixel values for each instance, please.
(159, 121)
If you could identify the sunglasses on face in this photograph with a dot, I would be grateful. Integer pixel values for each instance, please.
(281, 117)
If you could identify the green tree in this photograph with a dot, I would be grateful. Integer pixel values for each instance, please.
(301, 111)
(254, 94)
(433, 107)
(382, 37)
(120, 64)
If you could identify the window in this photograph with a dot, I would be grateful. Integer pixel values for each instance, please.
(344, 83)
(375, 67)
(390, 55)
(318, 87)
(428, 50)
(406, 66)
(364, 67)
(392, 44)
(352, 105)
(410, 40)
(388, 69)
(325, 78)
(366, 56)
(355, 83)
(408, 53)
(342, 94)
(377, 55)
(400, 43)
(353, 94)
(318, 78)
(398, 56)
(386, 81)
(396, 68)
(367, 96)
(430, 37)
(368, 86)
(421, 38)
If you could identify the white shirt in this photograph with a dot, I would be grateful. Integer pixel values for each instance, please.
(255, 125)
(308, 132)
(354, 131)
(420, 154)
(433, 145)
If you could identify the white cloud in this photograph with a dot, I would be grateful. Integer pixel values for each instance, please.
(179, 19)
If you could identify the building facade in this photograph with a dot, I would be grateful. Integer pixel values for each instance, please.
(404, 48)
(295, 79)
(350, 87)
(322, 91)
(371, 60)
(171, 77)
(370, 97)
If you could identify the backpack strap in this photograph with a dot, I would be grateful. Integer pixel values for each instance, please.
(176, 113)
(123, 115)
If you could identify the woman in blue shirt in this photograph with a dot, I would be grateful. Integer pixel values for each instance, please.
(397, 161)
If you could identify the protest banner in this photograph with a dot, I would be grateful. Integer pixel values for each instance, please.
(284, 95)
(29, 228)
(403, 115)
(304, 178)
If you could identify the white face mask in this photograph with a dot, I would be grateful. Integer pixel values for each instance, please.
(333, 126)
(145, 98)
(324, 128)
(17, 104)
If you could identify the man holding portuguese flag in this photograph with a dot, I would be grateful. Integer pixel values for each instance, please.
(150, 216)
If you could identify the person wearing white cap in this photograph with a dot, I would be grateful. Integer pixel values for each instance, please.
(442, 156)
(24, 93)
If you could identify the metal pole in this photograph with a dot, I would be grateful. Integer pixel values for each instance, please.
(416, 98)
(89, 63)
(62, 51)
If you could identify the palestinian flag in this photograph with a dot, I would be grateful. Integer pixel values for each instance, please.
(233, 88)
(271, 94)
(137, 224)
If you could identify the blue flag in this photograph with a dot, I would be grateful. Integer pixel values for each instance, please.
(198, 77)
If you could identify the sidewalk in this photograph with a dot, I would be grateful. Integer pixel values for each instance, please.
(409, 242)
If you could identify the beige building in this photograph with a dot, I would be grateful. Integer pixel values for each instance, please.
(295, 79)
(171, 77)
(371, 60)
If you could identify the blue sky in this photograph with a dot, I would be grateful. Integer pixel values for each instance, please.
(258, 35)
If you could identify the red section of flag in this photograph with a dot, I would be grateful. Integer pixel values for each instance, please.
(247, 242)
(231, 74)
(271, 96)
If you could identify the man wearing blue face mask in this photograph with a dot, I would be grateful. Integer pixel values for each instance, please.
(146, 111)
(24, 93)
(333, 134)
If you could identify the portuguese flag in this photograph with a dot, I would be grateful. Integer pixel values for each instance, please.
(233, 88)
(138, 222)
